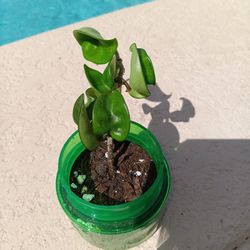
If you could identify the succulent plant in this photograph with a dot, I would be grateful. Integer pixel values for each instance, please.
(102, 111)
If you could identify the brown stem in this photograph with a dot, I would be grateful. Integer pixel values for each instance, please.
(126, 85)
(110, 155)
(119, 79)
(120, 65)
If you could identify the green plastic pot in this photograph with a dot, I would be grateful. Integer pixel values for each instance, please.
(120, 226)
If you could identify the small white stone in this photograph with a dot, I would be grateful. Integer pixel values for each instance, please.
(73, 185)
(75, 173)
(118, 172)
(84, 189)
(137, 173)
(88, 197)
(106, 155)
(115, 191)
(81, 178)
(141, 160)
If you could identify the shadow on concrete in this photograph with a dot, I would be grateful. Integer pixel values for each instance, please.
(209, 204)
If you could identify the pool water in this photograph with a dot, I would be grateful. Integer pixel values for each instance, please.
(23, 18)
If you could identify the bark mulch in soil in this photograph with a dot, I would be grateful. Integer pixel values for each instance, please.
(133, 173)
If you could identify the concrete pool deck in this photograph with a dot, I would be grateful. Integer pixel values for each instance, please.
(201, 52)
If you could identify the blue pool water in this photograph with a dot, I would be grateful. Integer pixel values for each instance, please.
(23, 18)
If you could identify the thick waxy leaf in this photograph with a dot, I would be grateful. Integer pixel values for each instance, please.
(95, 48)
(77, 108)
(91, 96)
(101, 116)
(112, 67)
(147, 67)
(110, 115)
(84, 127)
(141, 73)
(120, 116)
(103, 83)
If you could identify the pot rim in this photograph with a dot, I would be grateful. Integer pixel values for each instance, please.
(139, 203)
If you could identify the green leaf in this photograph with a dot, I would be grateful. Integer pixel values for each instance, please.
(102, 83)
(91, 94)
(85, 129)
(135, 94)
(120, 116)
(77, 108)
(109, 75)
(95, 49)
(141, 73)
(147, 67)
(110, 115)
(101, 116)
(113, 68)
(91, 97)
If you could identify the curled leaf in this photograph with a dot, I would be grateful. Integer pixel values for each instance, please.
(110, 115)
(102, 83)
(91, 94)
(85, 129)
(95, 49)
(147, 67)
(77, 108)
(141, 73)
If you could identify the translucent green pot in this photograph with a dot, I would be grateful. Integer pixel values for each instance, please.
(120, 226)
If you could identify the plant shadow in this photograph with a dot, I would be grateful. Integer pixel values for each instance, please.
(209, 202)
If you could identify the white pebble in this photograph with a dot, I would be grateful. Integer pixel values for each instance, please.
(115, 191)
(141, 160)
(75, 173)
(73, 185)
(88, 197)
(84, 189)
(106, 155)
(81, 178)
(137, 173)
(118, 172)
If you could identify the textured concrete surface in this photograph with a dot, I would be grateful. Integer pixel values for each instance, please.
(201, 51)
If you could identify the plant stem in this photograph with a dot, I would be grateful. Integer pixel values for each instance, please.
(120, 65)
(127, 85)
(110, 155)
(119, 79)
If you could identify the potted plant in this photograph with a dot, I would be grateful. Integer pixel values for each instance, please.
(113, 180)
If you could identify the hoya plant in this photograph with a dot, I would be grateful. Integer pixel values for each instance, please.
(101, 113)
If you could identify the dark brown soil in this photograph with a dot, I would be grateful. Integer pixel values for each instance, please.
(133, 173)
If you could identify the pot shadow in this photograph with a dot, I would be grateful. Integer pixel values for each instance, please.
(209, 203)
